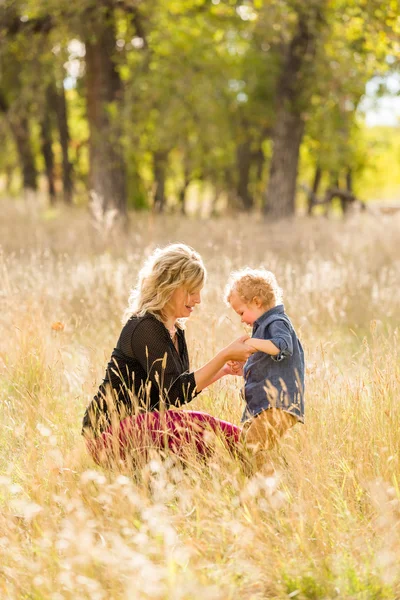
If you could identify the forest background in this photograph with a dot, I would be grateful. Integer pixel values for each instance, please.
(199, 104)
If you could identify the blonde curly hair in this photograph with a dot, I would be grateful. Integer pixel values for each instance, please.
(251, 283)
(164, 271)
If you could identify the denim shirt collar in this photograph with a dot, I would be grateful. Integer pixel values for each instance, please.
(276, 310)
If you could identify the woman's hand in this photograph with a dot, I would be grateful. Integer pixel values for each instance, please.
(238, 350)
(214, 370)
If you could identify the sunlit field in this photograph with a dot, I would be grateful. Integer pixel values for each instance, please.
(327, 526)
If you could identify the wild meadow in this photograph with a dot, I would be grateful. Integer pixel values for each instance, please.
(326, 526)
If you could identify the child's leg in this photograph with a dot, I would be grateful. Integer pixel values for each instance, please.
(263, 432)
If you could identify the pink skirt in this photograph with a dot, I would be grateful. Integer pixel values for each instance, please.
(178, 431)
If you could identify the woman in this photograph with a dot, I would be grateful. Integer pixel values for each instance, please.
(148, 373)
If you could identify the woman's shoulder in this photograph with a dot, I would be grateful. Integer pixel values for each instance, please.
(138, 330)
(148, 320)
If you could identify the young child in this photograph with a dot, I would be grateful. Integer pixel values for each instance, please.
(274, 375)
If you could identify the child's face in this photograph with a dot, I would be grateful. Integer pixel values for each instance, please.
(247, 312)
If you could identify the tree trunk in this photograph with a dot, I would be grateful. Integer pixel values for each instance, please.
(349, 180)
(314, 190)
(243, 159)
(334, 181)
(349, 188)
(182, 196)
(20, 129)
(183, 190)
(159, 166)
(215, 198)
(281, 190)
(230, 188)
(59, 102)
(9, 171)
(280, 195)
(107, 166)
(47, 151)
(259, 161)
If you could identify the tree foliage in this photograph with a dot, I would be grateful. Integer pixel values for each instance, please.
(137, 100)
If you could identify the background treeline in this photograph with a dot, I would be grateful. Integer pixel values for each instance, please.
(137, 101)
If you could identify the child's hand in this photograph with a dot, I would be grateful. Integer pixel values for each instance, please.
(233, 367)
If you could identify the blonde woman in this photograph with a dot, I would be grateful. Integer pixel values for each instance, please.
(149, 376)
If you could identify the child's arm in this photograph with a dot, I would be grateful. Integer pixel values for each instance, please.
(280, 344)
(265, 346)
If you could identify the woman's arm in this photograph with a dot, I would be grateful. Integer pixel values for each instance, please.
(232, 367)
(213, 370)
(150, 345)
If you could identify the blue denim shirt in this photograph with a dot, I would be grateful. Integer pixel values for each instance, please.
(275, 381)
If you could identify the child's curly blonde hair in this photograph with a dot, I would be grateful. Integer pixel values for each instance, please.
(250, 283)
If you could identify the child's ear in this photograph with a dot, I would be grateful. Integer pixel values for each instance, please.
(257, 301)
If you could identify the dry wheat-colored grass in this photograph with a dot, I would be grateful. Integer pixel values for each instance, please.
(327, 526)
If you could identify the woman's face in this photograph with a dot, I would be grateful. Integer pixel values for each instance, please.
(182, 302)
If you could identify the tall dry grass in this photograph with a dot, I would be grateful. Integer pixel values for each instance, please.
(327, 526)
